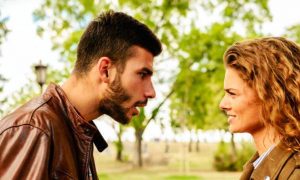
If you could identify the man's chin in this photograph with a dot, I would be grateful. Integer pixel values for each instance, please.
(125, 120)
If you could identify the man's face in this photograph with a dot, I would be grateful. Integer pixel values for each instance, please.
(131, 88)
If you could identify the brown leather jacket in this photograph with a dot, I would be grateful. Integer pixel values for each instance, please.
(280, 164)
(48, 139)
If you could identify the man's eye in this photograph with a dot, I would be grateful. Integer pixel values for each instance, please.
(142, 74)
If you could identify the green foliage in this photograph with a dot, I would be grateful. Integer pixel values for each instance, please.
(31, 90)
(3, 32)
(119, 145)
(199, 81)
(196, 46)
(3, 28)
(138, 121)
(294, 32)
(65, 22)
(65, 26)
(226, 160)
(4, 99)
(24, 94)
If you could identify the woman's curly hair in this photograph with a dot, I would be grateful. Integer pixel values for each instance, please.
(271, 66)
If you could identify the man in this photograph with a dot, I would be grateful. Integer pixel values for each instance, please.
(52, 137)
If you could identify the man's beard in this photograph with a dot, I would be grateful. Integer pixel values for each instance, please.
(113, 98)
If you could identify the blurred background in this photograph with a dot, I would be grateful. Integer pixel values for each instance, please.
(181, 134)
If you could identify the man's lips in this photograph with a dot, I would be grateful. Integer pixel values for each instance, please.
(134, 110)
(141, 103)
(138, 104)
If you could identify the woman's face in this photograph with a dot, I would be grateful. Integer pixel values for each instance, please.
(241, 104)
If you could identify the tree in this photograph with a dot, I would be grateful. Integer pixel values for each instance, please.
(294, 32)
(3, 33)
(140, 123)
(196, 83)
(199, 81)
(66, 26)
(3, 28)
(119, 142)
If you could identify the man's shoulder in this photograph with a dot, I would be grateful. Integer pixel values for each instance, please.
(35, 113)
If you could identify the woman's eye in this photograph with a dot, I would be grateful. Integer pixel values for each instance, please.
(231, 93)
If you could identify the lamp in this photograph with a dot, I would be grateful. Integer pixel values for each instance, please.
(40, 71)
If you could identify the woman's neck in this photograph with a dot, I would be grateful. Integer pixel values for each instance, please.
(264, 139)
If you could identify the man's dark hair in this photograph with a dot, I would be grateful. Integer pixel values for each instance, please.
(112, 34)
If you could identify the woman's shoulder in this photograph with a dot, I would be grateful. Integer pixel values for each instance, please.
(282, 163)
(291, 169)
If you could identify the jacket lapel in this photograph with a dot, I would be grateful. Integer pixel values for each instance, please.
(271, 166)
(248, 168)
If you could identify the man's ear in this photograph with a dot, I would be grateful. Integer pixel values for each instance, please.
(104, 64)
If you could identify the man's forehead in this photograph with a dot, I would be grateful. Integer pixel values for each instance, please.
(140, 63)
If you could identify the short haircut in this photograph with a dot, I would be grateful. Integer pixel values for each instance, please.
(112, 34)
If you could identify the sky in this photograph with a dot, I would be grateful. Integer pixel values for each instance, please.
(23, 48)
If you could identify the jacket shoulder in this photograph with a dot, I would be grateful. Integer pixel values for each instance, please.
(295, 174)
(297, 159)
(33, 113)
(291, 170)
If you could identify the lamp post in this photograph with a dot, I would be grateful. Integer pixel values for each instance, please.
(40, 71)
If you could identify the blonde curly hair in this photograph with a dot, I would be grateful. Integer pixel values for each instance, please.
(271, 66)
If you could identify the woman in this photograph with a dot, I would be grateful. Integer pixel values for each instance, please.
(262, 97)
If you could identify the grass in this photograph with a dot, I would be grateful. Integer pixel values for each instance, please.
(177, 164)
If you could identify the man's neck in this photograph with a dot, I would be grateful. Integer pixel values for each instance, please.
(80, 93)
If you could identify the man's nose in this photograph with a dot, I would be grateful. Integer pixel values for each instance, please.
(150, 91)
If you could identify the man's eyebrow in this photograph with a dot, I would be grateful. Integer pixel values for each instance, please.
(147, 70)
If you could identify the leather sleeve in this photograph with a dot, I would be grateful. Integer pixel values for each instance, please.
(24, 153)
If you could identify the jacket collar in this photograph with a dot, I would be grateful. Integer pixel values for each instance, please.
(270, 166)
(248, 167)
(85, 130)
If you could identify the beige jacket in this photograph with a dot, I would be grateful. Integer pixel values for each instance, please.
(281, 164)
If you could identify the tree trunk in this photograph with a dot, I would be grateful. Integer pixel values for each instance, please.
(119, 145)
(233, 144)
(233, 147)
(119, 155)
(139, 139)
(190, 142)
(167, 147)
(198, 144)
